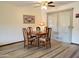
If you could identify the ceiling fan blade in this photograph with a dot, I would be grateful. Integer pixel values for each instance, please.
(50, 2)
(51, 5)
(37, 5)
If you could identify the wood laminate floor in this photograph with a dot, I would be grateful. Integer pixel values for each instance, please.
(58, 50)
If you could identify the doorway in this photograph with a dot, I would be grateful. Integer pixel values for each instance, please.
(61, 24)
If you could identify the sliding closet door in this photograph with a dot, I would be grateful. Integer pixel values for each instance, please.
(65, 26)
(61, 24)
(52, 22)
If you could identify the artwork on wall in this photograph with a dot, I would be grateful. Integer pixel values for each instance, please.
(28, 19)
(77, 15)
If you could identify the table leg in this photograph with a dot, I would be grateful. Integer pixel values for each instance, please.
(38, 41)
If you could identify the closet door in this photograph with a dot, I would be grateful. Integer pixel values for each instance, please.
(52, 23)
(65, 26)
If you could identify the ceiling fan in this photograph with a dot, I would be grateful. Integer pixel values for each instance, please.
(45, 3)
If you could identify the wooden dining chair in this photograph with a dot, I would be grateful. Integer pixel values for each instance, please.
(46, 41)
(38, 29)
(28, 40)
(30, 32)
(46, 29)
(29, 29)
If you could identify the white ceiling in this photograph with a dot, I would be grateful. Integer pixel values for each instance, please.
(31, 3)
(59, 3)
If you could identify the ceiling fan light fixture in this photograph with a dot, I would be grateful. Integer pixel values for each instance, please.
(44, 7)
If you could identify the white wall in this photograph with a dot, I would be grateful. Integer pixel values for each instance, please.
(11, 22)
(75, 30)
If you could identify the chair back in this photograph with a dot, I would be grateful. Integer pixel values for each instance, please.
(24, 33)
(38, 29)
(49, 33)
(46, 29)
(29, 30)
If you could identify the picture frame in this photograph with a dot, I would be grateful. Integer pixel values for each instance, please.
(77, 15)
(28, 19)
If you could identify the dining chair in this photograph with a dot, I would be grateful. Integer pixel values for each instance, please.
(30, 32)
(24, 35)
(28, 40)
(38, 29)
(46, 41)
(46, 29)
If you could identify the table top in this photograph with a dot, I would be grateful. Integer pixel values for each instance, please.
(38, 33)
(41, 33)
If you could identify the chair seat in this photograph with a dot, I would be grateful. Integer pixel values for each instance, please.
(42, 39)
(33, 36)
(31, 39)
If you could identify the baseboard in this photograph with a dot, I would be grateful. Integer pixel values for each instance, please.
(75, 44)
(11, 43)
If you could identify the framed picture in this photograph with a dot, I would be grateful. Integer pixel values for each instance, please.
(77, 15)
(28, 19)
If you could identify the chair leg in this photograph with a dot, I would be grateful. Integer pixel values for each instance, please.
(45, 44)
(50, 44)
(27, 44)
(31, 42)
(24, 44)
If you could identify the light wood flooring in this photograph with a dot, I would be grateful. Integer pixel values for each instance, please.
(58, 50)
